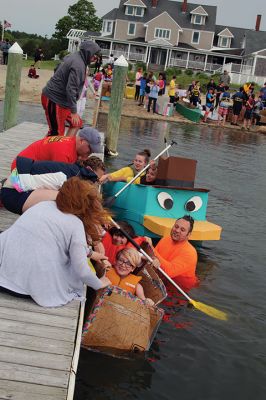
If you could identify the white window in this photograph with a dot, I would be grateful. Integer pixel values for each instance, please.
(224, 41)
(109, 26)
(195, 37)
(129, 10)
(103, 27)
(139, 11)
(131, 28)
(162, 33)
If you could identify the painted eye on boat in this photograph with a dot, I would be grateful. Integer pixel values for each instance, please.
(165, 200)
(193, 204)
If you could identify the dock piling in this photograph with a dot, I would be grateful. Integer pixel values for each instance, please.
(117, 94)
(12, 89)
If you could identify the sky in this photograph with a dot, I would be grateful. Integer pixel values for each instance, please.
(41, 16)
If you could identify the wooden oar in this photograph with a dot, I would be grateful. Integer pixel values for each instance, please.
(209, 310)
(110, 201)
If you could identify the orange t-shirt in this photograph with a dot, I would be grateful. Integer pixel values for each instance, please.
(51, 148)
(178, 260)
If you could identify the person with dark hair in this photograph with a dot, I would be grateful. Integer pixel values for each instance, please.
(32, 72)
(5, 49)
(114, 240)
(38, 56)
(150, 177)
(178, 258)
(250, 103)
(127, 173)
(63, 90)
(54, 272)
(224, 104)
(172, 90)
(238, 101)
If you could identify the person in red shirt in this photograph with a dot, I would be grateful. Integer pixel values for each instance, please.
(178, 258)
(56, 148)
(64, 148)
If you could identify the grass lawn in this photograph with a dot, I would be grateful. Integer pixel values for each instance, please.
(46, 64)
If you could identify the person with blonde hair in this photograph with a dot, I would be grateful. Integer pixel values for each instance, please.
(121, 274)
(44, 253)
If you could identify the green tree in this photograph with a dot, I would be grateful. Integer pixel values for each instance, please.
(80, 16)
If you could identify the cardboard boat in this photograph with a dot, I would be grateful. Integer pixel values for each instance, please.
(153, 209)
(121, 322)
(193, 114)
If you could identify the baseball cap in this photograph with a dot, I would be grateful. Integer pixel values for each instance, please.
(93, 137)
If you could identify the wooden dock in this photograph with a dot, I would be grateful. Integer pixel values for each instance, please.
(39, 347)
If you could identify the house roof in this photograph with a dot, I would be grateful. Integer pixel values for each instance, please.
(253, 40)
(173, 8)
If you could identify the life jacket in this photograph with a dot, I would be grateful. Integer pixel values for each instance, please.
(127, 283)
(196, 91)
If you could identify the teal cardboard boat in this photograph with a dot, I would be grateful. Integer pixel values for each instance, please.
(153, 209)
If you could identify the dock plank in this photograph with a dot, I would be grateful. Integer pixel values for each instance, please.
(24, 391)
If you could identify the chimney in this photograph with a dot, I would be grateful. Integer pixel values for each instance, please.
(154, 3)
(184, 6)
(257, 27)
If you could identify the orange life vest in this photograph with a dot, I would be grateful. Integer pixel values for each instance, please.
(127, 283)
(111, 249)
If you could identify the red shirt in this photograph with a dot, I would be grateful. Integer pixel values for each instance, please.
(52, 148)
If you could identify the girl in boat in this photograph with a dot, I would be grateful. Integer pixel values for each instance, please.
(121, 274)
(127, 173)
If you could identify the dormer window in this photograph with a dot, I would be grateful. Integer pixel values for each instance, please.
(198, 19)
(198, 16)
(224, 41)
(134, 11)
(224, 38)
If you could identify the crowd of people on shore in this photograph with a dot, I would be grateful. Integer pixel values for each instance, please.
(53, 185)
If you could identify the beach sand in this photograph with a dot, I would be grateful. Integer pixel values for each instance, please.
(30, 92)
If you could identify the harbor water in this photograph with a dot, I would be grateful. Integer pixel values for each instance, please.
(196, 357)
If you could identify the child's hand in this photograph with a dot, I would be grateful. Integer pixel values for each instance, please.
(98, 256)
(106, 265)
(149, 302)
(105, 281)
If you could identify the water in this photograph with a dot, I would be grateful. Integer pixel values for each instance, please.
(195, 356)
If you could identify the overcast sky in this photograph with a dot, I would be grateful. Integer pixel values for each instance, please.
(40, 16)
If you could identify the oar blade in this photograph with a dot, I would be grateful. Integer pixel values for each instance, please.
(209, 310)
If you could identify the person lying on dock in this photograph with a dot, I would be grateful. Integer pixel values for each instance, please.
(114, 240)
(177, 257)
(127, 173)
(32, 175)
(35, 181)
(44, 253)
(63, 148)
(121, 273)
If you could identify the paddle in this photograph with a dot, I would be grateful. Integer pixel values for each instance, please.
(110, 201)
(209, 310)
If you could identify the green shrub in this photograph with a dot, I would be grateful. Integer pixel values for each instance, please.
(130, 66)
(189, 72)
(62, 54)
(131, 76)
(140, 64)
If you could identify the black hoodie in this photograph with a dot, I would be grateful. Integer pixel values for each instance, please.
(65, 86)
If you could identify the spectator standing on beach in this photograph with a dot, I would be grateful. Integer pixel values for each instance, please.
(224, 104)
(142, 88)
(219, 91)
(195, 94)
(60, 95)
(248, 112)
(172, 90)
(238, 100)
(138, 77)
(258, 106)
(211, 84)
(38, 56)
(5, 49)
(189, 91)
(153, 96)
(225, 78)
(209, 103)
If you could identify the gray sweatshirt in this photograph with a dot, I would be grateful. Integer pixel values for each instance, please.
(65, 86)
(44, 255)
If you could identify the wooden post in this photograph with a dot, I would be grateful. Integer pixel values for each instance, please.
(115, 108)
(13, 76)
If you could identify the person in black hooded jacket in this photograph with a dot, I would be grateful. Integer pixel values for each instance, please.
(61, 93)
